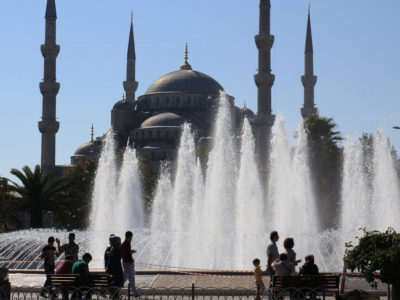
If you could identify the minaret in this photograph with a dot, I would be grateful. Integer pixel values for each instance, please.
(49, 88)
(308, 79)
(130, 84)
(264, 81)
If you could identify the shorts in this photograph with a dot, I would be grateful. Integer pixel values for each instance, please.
(260, 285)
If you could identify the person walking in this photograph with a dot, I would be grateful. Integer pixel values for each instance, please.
(114, 267)
(49, 254)
(128, 262)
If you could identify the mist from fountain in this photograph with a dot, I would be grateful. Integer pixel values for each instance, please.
(291, 195)
(386, 202)
(130, 199)
(250, 206)
(356, 192)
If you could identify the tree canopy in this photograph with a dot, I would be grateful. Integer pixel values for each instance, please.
(376, 252)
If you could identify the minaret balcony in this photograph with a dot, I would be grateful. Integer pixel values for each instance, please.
(264, 79)
(130, 86)
(309, 80)
(264, 41)
(48, 126)
(49, 88)
(50, 50)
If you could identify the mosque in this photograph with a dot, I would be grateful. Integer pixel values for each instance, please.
(152, 122)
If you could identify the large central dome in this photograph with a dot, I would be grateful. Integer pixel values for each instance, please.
(185, 81)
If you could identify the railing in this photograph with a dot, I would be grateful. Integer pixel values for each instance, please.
(66, 293)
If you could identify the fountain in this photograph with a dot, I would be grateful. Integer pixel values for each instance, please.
(218, 215)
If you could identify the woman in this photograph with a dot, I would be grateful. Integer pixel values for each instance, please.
(291, 255)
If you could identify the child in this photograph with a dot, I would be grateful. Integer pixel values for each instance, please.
(258, 277)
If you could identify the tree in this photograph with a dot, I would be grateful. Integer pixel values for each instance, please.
(9, 219)
(148, 180)
(39, 192)
(74, 207)
(376, 251)
(325, 160)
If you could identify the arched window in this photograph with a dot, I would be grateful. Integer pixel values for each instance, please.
(158, 102)
(167, 100)
(150, 134)
(167, 134)
(158, 134)
(178, 101)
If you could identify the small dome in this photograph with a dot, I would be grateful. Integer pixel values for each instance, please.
(89, 150)
(123, 105)
(167, 119)
(185, 81)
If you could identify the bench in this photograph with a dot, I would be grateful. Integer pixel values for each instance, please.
(78, 284)
(302, 287)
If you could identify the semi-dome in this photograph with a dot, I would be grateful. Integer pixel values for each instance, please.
(185, 81)
(165, 119)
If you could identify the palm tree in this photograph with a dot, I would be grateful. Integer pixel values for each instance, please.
(9, 219)
(39, 192)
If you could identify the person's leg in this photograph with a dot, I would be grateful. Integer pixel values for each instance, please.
(128, 270)
(48, 271)
(258, 292)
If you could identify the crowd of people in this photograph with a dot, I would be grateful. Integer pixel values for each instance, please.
(282, 264)
(120, 265)
(118, 260)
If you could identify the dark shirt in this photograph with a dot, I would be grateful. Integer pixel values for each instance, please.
(80, 267)
(107, 257)
(64, 267)
(48, 253)
(114, 267)
(126, 252)
(309, 269)
(71, 250)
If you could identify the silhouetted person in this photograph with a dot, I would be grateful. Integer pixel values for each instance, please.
(282, 267)
(288, 243)
(69, 249)
(309, 267)
(128, 262)
(49, 254)
(108, 252)
(272, 252)
(114, 267)
(65, 267)
(258, 278)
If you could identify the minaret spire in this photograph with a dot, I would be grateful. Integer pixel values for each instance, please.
(308, 79)
(130, 84)
(264, 80)
(186, 65)
(49, 88)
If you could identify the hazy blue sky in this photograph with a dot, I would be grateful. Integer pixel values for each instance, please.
(356, 52)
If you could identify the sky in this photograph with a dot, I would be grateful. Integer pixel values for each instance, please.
(356, 59)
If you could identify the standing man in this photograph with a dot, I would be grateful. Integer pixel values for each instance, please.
(128, 262)
(272, 252)
(49, 255)
(70, 249)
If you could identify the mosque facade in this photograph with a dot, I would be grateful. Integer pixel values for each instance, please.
(152, 122)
